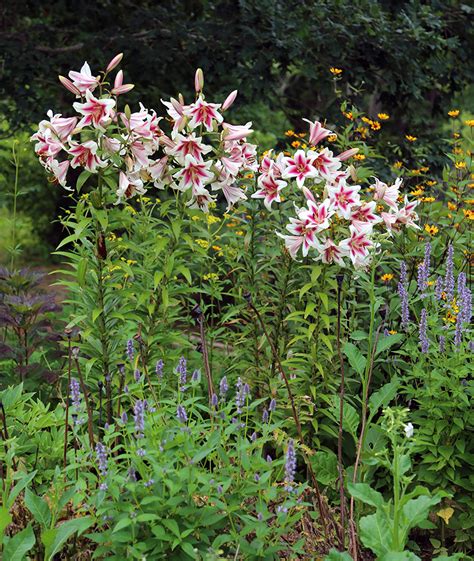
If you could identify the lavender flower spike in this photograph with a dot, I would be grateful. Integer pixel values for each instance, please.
(181, 414)
(159, 369)
(182, 371)
(424, 270)
(139, 418)
(130, 350)
(75, 393)
(101, 454)
(449, 278)
(290, 466)
(424, 341)
(223, 387)
(403, 293)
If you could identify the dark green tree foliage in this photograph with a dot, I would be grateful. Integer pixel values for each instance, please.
(407, 57)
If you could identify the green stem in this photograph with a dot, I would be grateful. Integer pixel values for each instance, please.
(16, 163)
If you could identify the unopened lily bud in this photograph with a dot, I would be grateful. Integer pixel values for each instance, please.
(118, 79)
(199, 80)
(181, 98)
(229, 100)
(123, 89)
(114, 62)
(177, 105)
(353, 172)
(69, 85)
(348, 154)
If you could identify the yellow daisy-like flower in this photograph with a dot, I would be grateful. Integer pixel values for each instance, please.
(211, 219)
(431, 230)
(428, 200)
(216, 248)
(452, 206)
(456, 135)
(392, 332)
(430, 183)
(375, 126)
(202, 243)
(195, 218)
(411, 138)
(332, 137)
(296, 143)
(453, 113)
(387, 277)
(348, 115)
(290, 133)
(397, 165)
(417, 192)
(468, 213)
(383, 116)
(469, 122)
(335, 71)
(460, 165)
(359, 157)
(211, 276)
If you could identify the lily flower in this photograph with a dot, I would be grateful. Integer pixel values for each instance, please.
(201, 198)
(83, 80)
(364, 214)
(318, 215)
(190, 144)
(387, 194)
(97, 112)
(203, 113)
(344, 197)
(195, 174)
(129, 185)
(269, 190)
(236, 132)
(329, 252)
(230, 190)
(59, 171)
(316, 132)
(229, 100)
(356, 246)
(175, 110)
(299, 167)
(85, 155)
(325, 163)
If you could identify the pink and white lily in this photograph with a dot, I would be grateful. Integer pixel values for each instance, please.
(326, 164)
(357, 245)
(129, 185)
(190, 144)
(364, 214)
(97, 112)
(195, 174)
(202, 113)
(316, 132)
(269, 190)
(343, 197)
(318, 215)
(83, 80)
(329, 252)
(387, 194)
(236, 132)
(85, 155)
(175, 110)
(300, 167)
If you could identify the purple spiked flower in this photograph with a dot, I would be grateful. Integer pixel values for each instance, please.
(403, 293)
(75, 393)
(439, 288)
(159, 369)
(265, 416)
(130, 350)
(290, 466)
(403, 272)
(442, 344)
(223, 387)
(424, 270)
(182, 371)
(181, 414)
(101, 455)
(195, 376)
(137, 375)
(139, 418)
(214, 400)
(424, 341)
(272, 405)
(243, 390)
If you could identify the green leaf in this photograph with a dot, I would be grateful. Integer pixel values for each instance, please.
(364, 492)
(5, 519)
(82, 270)
(38, 507)
(399, 556)
(334, 555)
(417, 510)
(356, 359)
(82, 179)
(375, 532)
(19, 488)
(383, 396)
(455, 557)
(325, 466)
(189, 549)
(55, 539)
(121, 524)
(385, 343)
(19, 545)
(172, 525)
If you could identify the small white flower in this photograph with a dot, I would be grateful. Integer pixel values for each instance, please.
(408, 430)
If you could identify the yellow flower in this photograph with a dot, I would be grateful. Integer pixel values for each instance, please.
(424, 169)
(249, 175)
(216, 248)
(375, 126)
(202, 243)
(458, 151)
(211, 219)
(239, 232)
(332, 137)
(452, 206)
(302, 134)
(411, 138)
(453, 113)
(431, 230)
(366, 120)
(335, 71)
(387, 277)
(195, 218)
(392, 332)
(296, 143)
(428, 200)
(348, 115)
(468, 213)
(417, 192)
(430, 183)
(469, 122)
(359, 157)
(383, 116)
(460, 165)
(397, 165)
(290, 132)
(211, 276)
(456, 135)
(130, 209)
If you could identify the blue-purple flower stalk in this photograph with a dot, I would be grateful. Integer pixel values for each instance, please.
(223, 387)
(403, 293)
(181, 414)
(424, 341)
(139, 418)
(449, 282)
(182, 371)
(101, 455)
(159, 369)
(290, 466)
(130, 350)
(424, 271)
(242, 391)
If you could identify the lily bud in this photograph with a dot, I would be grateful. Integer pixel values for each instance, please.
(177, 105)
(114, 62)
(123, 89)
(199, 80)
(118, 79)
(229, 100)
(69, 85)
(348, 154)
(353, 172)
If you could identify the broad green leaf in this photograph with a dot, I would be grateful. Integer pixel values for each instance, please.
(364, 492)
(59, 536)
(19, 545)
(399, 556)
(383, 396)
(385, 343)
(375, 533)
(334, 555)
(38, 507)
(5, 519)
(325, 466)
(19, 488)
(356, 359)
(454, 557)
(417, 510)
